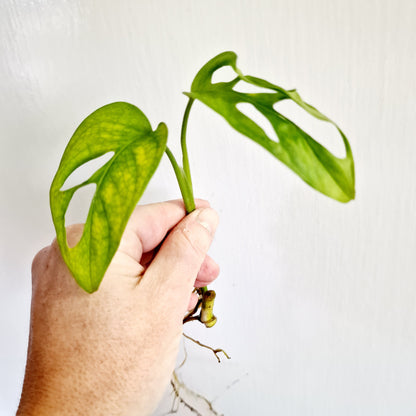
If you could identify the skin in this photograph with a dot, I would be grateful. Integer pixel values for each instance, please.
(113, 352)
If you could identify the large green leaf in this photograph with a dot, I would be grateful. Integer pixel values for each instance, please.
(123, 129)
(311, 161)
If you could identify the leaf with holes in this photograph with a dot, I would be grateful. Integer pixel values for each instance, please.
(317, 166)
(123, 129)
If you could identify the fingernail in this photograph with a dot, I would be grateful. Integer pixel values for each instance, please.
(208, 218)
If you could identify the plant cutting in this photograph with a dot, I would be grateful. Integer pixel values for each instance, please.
(122, 129)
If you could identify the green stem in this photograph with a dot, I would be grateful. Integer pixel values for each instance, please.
(184, 185)
(183, 175)
(185, 159)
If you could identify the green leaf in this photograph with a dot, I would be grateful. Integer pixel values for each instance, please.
(317, 166)
(123, 129)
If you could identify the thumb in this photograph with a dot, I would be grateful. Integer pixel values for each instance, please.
(174, 269)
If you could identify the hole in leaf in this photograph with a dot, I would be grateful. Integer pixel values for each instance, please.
(243, 86)
(223, 74)
(78, 208)
(323, 132)
(251, 112)
(84, 172)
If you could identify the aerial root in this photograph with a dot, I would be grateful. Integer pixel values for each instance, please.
(216, 351)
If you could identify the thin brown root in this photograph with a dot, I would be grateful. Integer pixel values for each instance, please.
(193, 401)
(191, 316)
(215, 351)
(185, 353)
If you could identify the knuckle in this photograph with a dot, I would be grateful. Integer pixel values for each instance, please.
(40, 262)
(196, 238)
(74, 234)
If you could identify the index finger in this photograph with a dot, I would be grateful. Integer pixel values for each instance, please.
(149, 225)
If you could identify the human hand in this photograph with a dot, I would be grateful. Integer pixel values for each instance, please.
(113, 352)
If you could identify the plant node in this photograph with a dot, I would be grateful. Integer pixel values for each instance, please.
(206, 306)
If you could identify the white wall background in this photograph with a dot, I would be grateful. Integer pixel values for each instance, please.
(316, 299)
